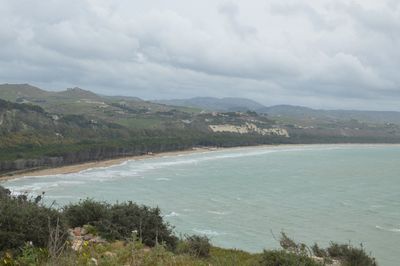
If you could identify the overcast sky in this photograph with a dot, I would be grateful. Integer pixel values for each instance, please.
(317, 53)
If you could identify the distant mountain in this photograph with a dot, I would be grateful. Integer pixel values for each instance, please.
(287, 112)
(308, 114)
(77, 93)
(18, 92)
(28, 93)
(216, 104)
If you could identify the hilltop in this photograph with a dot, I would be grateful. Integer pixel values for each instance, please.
(228, 104)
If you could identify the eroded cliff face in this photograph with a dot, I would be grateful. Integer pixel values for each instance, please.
(250, 128)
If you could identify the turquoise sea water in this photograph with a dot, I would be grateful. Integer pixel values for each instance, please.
(241, 197)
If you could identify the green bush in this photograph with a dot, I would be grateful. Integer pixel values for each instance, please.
(347, 255)
(32, 256)
(23, 220)
(285, 258)
(85, 212)
(350, 256)
(4, 193)
(118, 221)
(319, 252)
(198, 246)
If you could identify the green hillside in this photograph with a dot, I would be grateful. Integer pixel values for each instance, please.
(40, 128)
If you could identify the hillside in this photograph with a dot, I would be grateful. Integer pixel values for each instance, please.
(129, 112)
(31, 137)
(40, 128)
(307, 114)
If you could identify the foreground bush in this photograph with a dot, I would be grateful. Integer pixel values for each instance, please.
(120, 220)
(345, 254)
(350, 256)
(86, 212)
(36, 235)
(198, 246)
(285, 258)
(24, 220)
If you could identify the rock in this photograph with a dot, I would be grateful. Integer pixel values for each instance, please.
(94, 261)
(97, 240)
(322, 261)
(77, 244)
(109, 254)
(88, 237)
(77, 231)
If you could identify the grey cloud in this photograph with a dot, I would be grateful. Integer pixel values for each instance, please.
(297, 52)
(231, 11)
(301, 9)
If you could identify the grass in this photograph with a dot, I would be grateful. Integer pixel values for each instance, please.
(140, 123)
(130, 253)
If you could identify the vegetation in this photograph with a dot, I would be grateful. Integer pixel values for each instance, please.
(283, 257)
(24, 220)
(33, 234)
(47, 129)
(118, 221)
(198, 246)
(350, 255)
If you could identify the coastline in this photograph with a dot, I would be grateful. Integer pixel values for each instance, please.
(76, 168)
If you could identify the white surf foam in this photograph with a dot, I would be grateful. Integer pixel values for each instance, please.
(163, 179)
(395, 230)
(207, 232)
(172, 214)
(218, 212)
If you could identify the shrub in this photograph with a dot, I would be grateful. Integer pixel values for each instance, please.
(285, 258)
(319, 252)
(148, 222)
(195, 245)
(4, 193)
(290, 245)
(24, 220)
(118, 221)
(346, 254)
(350, 256)
(32, 256)
(85, 212)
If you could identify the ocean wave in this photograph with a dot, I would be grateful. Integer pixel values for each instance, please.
(59, 197)
(218, 212)
(172, 214)
(207, 232)
(163, 179)
(395, 230)
(104, 167)
(41, 186)
(345, 203)
(216, 200)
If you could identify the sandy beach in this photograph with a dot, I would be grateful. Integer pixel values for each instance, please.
(75, 168)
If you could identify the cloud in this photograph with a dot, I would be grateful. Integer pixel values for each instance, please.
(322, 54)
(231, 12)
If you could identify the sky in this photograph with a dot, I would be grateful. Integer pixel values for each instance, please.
(330, 54)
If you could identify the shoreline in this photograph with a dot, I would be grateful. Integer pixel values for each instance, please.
(76, 168)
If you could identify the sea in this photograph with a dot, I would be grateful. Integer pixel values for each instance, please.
(245, 197)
